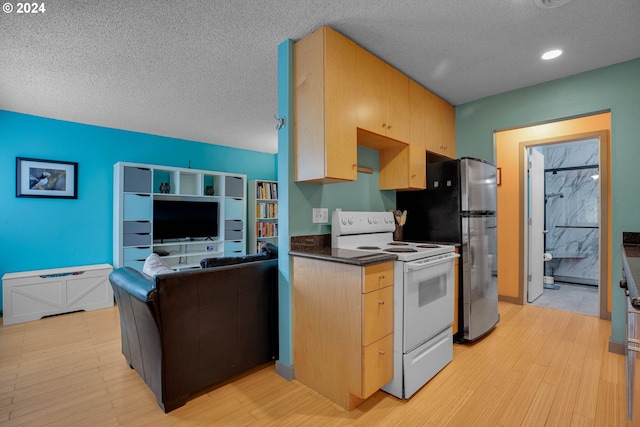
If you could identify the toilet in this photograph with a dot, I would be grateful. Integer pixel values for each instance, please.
(548, 281)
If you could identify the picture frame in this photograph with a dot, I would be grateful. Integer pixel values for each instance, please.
(46, 178)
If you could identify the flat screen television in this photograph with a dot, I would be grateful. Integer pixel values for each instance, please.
(181, 219)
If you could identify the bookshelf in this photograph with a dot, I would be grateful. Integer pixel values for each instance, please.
(263, 214)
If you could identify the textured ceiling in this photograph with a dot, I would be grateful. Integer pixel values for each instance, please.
(207, 70)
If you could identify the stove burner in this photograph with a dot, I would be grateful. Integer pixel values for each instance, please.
(428, 246)
(400, 250)
(398, 244)
(367, 247)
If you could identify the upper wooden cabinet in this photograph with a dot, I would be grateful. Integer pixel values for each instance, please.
(382, 97)
(324, 108)
(440, 126)
(344, 97)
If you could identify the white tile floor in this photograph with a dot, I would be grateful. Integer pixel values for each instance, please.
(570, 297)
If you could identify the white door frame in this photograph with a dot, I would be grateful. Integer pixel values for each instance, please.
(603, 241)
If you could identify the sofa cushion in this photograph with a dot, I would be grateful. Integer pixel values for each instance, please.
(268, 251)
(154, 265)
(231, 260)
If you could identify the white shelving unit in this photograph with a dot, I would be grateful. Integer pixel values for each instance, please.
(263, 214)
(135, 188)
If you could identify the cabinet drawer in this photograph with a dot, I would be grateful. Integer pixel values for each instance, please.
(377, 276)
(137, 206)
(234, 224)
(233, 248)
(233, 235)
(377, 319)
(136, 254)
(233, 186)
(137, 180)
(136, 239)
(134, 263)
(234, 209)
(136, 227)
(377, 369)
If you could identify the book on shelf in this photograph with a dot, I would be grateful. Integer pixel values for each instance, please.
(267, 190)
(266, 229)
(266, 210)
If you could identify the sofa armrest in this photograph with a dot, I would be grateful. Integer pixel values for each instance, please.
(135, 283)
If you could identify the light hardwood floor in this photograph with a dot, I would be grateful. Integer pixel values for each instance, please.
(539, 367)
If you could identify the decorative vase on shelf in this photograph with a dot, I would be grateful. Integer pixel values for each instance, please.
(208, 190)
(165, 188)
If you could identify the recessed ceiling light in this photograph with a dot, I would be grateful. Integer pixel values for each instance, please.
(548, 4)
(551, 54)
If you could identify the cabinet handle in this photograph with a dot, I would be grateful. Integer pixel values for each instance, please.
(381, 352)
(381, 276)
(388, 126)
(380, 302)
(384, 125)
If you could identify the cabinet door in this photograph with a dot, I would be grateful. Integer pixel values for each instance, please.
(377, 369)
(417, 136)
(377, 309)
(324, 108)
(341, 149)
(377, 276)
(448, 128)
(396, 120)
(371, 92)
(433, 128)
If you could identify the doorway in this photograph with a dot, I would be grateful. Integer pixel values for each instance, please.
(564, 200)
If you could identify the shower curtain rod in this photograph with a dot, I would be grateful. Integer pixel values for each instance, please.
(572, 168)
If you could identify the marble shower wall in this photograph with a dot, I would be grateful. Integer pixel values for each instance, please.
(572, 212)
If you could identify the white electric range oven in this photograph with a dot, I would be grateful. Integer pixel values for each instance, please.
(423, 296)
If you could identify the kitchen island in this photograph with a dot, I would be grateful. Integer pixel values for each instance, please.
(342, 321)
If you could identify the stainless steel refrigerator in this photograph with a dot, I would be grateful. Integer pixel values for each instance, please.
(459, 207)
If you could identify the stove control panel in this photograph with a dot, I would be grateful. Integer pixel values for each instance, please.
(359, 222)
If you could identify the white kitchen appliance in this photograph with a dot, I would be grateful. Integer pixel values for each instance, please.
(423, 296)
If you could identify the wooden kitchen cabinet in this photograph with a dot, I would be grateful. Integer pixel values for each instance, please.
(325, 148)
(440, 126)
(342, 328)
(344, 97)
(382, 97)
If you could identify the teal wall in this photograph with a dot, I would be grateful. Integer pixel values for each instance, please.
(615, 88)
(285, 168)
(360, 195)
(50, 233)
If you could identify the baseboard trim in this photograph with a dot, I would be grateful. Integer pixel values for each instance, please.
(616, 347)
(285, 371)
(513, 300)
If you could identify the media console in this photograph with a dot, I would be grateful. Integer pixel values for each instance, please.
(136, 188)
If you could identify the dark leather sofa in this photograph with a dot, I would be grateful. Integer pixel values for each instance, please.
(185, 332)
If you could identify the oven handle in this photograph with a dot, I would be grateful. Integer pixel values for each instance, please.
(419, 265)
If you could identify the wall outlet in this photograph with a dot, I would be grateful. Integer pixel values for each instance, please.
(320, 215)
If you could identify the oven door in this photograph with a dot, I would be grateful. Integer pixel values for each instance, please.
(428, 298)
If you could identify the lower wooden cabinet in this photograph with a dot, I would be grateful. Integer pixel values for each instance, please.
(342, 328)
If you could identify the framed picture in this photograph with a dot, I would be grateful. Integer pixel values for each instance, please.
(46, 178)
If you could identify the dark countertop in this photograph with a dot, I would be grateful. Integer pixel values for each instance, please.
(344, 256)
(631, 261)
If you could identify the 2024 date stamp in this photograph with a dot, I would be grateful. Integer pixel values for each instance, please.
(24, 8)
